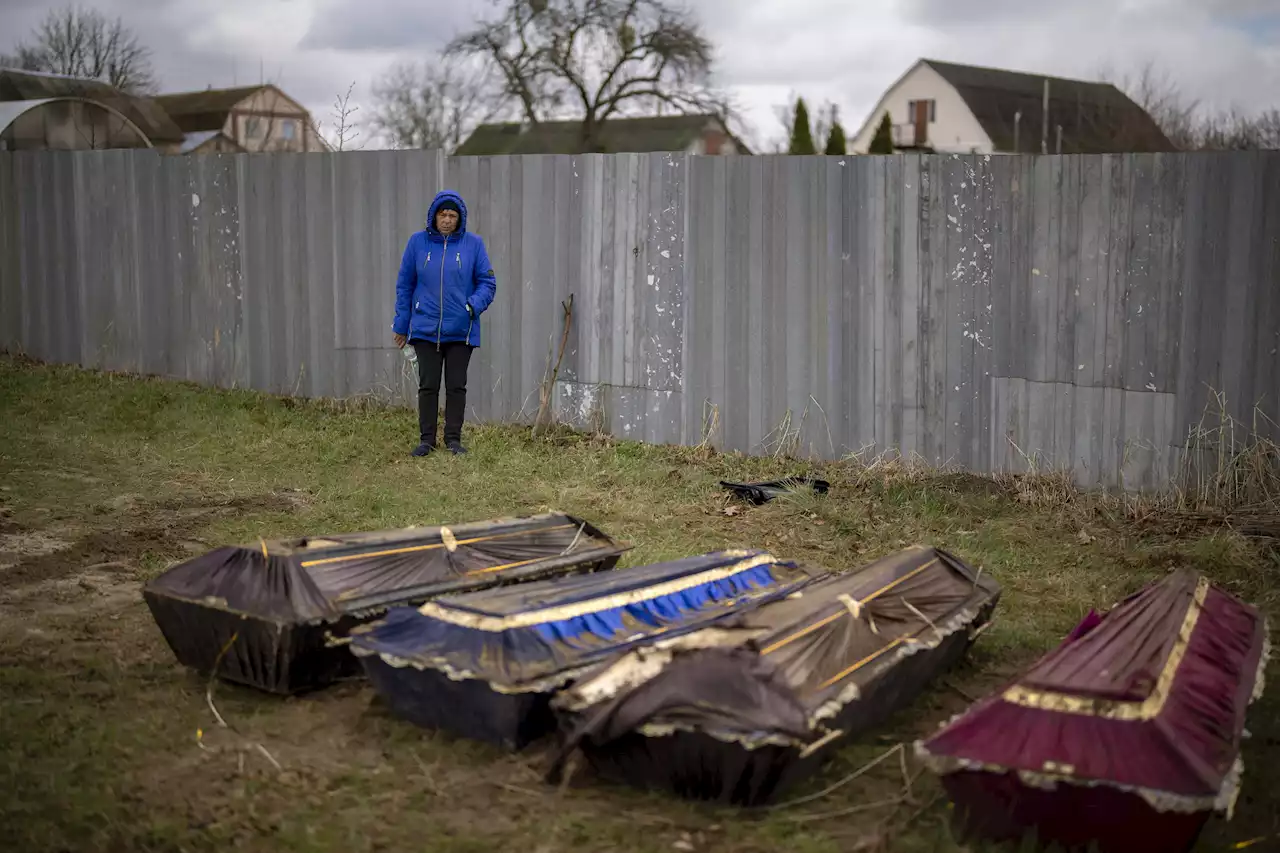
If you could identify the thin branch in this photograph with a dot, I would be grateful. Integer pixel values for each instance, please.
(845, 812)
(548, 391)
(222, 723)
(959, 691)
(344, 128)
(861, 771)
(627, 55)
(576, 536)
(562, 63)
(213, 674)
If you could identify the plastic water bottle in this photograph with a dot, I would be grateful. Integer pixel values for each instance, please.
(410, 354)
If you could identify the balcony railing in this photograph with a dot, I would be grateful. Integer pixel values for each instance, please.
(904, 136)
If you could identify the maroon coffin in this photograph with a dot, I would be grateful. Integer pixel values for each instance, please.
(1126, 736)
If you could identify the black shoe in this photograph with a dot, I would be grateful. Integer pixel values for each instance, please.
(455, 447)
(422, 449)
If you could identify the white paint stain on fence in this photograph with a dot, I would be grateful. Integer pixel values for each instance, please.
(977, 257)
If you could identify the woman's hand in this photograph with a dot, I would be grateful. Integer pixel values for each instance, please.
(400, 340)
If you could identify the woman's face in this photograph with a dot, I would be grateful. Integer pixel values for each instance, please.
(446, 221)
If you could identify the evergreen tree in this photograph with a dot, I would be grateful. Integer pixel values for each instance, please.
(835, 139)
(882, 142)
(801, 134)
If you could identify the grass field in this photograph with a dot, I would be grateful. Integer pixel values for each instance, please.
(105, 480)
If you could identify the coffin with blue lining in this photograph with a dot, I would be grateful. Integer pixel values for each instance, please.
(741, 712)
(484, 665)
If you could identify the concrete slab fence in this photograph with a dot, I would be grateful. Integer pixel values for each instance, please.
(1083, 311)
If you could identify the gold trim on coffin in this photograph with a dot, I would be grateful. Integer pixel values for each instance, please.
(482, 622)
(357, 593)
(1148, 708)
(1223, 801)
(306, 564)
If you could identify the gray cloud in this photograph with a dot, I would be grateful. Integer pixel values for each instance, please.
(1089, 12)
(387, 24)
(1248, 8)
(936, 12)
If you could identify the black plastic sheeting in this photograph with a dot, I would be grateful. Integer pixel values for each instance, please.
(763, 492)
(267, 616)
(698, 766)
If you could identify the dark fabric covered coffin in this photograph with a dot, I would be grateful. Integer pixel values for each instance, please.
(1126, 736)
(276, 607)
(740, 712)
(484, 665)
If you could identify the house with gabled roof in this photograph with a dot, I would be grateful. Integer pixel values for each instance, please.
(245, 118)
(690, 134)
(952, 108)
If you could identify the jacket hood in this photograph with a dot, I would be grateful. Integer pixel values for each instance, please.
(446, 195)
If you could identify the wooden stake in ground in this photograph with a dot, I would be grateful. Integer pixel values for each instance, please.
(549, 381)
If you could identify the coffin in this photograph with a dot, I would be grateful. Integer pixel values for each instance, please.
(739, 713)
(267, 615)
(1126, 736)
(485, 664)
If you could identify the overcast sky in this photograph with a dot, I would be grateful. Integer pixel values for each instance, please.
(1222, 52)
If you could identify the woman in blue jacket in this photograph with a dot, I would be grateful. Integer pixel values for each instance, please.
(445, 283)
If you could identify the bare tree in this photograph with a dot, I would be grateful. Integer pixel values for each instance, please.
(1233, 130)
(344, 126)
(1187, 124)
(1162, 99)
(434, 104)
(596, 59)
(85, 43)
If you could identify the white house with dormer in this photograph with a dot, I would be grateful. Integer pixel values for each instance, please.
(965, 109)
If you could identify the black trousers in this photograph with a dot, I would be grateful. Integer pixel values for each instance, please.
(453, 359)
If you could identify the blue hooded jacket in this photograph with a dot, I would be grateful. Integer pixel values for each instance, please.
(440, 276)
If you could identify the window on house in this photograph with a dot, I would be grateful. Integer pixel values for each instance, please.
(253, 127)
(287, 129)
(932, 107)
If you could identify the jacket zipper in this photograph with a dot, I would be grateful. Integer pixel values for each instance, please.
(471, 318)
(440, 324)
